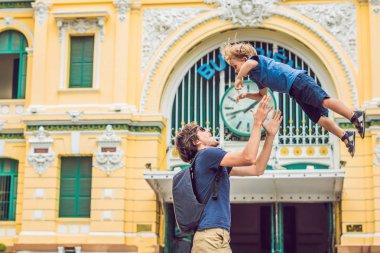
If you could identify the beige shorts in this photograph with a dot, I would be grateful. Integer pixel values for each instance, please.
(211, 240)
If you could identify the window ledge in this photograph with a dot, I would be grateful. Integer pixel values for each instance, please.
(77, 90)
(73, 220)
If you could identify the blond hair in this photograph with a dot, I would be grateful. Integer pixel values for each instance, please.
(237, 50)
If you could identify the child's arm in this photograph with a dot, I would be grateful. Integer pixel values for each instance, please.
(253, 95)
(244, 70)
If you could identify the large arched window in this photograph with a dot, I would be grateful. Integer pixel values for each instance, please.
(13, 58)
(8, 189)
(202, 87)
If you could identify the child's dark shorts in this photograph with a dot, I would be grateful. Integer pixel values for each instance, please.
(309, 95)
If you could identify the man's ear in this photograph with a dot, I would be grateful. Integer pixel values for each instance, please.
(196, 142)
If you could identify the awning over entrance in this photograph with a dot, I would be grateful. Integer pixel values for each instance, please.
(273, 186)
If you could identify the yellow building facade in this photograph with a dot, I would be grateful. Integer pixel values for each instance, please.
(93, 92)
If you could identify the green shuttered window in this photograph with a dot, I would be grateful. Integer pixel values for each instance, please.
(75, 192)
(13, 53)
(81, 61)
(8, 189)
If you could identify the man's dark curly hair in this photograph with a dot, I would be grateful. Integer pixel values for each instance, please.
(184, 141)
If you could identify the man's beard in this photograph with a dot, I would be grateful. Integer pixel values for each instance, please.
(214, 142)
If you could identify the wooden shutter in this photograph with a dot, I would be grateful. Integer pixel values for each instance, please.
(75, 192)
(81, 61)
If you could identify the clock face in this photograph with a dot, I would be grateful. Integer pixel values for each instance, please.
(237, 117)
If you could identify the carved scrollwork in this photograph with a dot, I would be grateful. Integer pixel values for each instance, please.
(41, 154)
(109, 155)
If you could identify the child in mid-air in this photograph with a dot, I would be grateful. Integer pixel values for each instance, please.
(314, 101)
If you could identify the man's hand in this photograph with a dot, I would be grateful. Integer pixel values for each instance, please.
(273, 124)
(262, 110)
(241, 96)
(238, 83)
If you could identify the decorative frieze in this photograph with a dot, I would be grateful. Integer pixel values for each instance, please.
(158, 24)
(16, 4)
(122, 7)
(81, 26)
(246, 13)
(109, 155)
(41, 154)
(339, 19)
(41, 10)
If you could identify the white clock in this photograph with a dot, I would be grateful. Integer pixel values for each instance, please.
(237, 117)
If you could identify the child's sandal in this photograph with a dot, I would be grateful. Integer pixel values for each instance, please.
(358, 119)
(349, 136)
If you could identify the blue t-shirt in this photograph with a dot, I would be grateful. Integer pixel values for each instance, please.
(274, 75)
(217, 213)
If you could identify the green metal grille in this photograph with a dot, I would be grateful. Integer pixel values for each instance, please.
(8, 189)
(197, 99)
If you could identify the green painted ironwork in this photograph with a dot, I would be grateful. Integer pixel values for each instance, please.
(97, 127)
(81, 61)
(8, 188)
(198, 98)
(15, 4)
(14, 43)
(75, 187)
(8, 136)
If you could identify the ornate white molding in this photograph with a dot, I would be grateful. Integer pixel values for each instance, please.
(81, 25)
(41, 10)
(41, 154)
(339, 19)
(8, 21)
(377, 151)
(375, 5)
(282, 13)
(246, 13)
(158, 24)
(75, 115)
(122, 7)
(109, 155)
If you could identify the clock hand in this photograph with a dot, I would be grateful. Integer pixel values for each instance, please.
(251, 106)
(235, 112)
(243, 110)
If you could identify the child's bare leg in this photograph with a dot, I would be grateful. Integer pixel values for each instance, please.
(331, 126)
(338, 107)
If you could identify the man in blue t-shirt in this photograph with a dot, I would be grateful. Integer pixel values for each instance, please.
(213, 230)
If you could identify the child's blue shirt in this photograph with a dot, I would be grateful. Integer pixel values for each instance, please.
(274, 75)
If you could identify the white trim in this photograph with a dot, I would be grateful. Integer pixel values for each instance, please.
(75, 142)
(11, 24)
(360, 235)
(2, 146)
(64, 34)
(38, 233)
(8, 10)
(296, 186)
